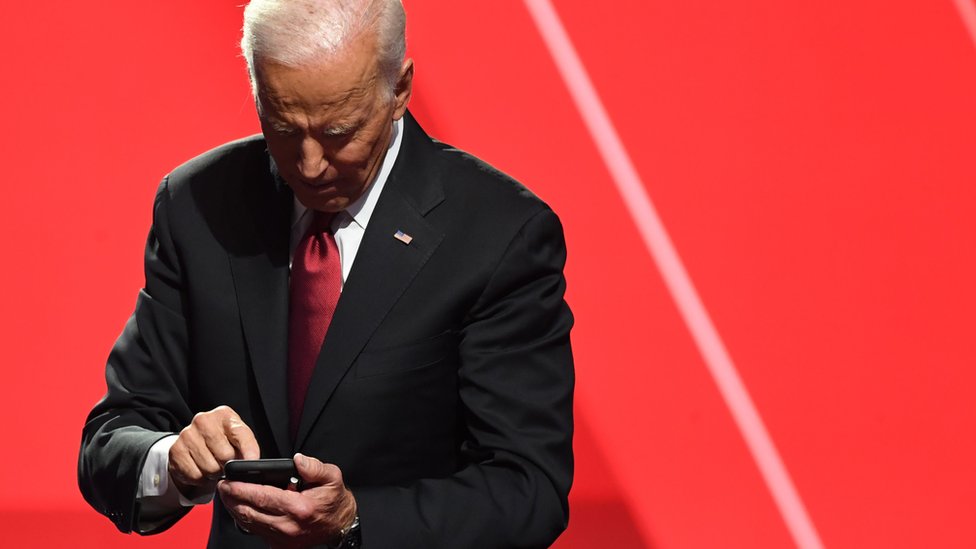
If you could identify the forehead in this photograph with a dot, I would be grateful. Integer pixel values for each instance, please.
(325, 85)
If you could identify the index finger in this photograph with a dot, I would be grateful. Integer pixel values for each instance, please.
(242, 438)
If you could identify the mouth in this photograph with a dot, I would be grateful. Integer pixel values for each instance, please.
(318, 187)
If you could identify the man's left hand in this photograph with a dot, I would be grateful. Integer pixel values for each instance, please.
(287, 518)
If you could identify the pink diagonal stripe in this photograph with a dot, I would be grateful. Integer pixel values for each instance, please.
(682, 290)
(968, 13)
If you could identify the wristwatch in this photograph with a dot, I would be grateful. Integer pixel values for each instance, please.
(351, 538)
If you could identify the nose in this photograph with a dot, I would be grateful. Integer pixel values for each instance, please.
(311, 160)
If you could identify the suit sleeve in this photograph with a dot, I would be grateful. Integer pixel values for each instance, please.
(516, 384)
(146, 386)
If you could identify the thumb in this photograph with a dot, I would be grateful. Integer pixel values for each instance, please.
(316, 473)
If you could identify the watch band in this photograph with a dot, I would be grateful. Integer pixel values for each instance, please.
(351, 537)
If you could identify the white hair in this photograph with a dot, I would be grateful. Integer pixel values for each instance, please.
(297, 32)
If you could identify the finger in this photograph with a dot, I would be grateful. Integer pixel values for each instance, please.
(270, 527)
(199, 451)
(219, 447)
(206, 440)
(266, 499)
(227, 494)
(247, 518)
(182, 460)
(242, 438)
(274, 514)
(183, 469)
(316, 473)
(282, 516)
(325, 485)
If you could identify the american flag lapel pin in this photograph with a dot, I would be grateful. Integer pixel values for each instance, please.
(403, 237)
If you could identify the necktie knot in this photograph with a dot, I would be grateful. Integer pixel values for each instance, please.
(322, 222)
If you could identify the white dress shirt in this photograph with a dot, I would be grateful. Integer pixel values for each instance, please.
(157, 495)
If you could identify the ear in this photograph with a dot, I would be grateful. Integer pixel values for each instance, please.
(404, 87)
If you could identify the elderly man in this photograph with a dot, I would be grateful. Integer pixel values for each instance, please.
(345, 291)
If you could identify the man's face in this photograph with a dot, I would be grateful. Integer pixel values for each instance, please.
(328, 125)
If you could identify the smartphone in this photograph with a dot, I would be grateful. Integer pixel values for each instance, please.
(279, 473)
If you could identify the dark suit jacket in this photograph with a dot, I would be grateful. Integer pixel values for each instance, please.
(444, 386)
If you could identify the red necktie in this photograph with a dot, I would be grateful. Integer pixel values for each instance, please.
(316, 281)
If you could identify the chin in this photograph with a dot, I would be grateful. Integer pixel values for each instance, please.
(324, 204)
(334, 196)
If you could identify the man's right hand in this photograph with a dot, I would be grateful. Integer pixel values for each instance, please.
(197, 458)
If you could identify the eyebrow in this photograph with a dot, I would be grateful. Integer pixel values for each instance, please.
(281, 126)
(340, 129)
(333, 130)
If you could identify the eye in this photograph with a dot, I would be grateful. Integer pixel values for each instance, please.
(280, 128)
(285, 131)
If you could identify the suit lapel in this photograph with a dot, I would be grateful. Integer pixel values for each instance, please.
(384, 268)
(261, 284)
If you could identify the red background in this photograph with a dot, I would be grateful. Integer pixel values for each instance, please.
(812, 162)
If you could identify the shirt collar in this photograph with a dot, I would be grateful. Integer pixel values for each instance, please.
(361, 210)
